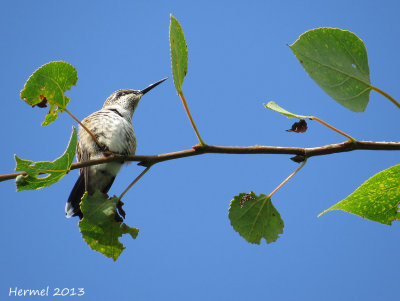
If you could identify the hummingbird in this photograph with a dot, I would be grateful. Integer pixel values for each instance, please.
(112, 126)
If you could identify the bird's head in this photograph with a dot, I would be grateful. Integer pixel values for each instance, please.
(128, 100)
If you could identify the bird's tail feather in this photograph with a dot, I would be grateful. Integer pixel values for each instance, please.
(72, 206)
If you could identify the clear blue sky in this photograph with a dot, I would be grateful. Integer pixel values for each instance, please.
(238, 60)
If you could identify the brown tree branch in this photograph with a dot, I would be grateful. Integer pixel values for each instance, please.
(299, 152)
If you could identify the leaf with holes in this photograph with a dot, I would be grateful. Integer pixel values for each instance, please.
(377, 199)
(101, 226)
(47, 86)
(43, 174)
(179, 53)
(255, 217)
(337, 61)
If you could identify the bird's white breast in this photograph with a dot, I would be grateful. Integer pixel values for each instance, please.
(112, 130)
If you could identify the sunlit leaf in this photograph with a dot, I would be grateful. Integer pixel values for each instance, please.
(101, 226)
(273, 106)
(254, 217)
(46, 86)
(179, 53)
(337, 61)
(46, 173)
(377, 199)
(297, 127)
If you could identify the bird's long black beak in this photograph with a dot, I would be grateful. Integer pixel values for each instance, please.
(145, 90)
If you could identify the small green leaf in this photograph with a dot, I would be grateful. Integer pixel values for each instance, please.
(337, 61)
(47, 86)
(273, 106)
(377, 199)
(99, 226)
(254, 217)
(50, 117)
(179, 53)
(51, 172)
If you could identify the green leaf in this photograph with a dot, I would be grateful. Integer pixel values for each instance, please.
(273, 106)
(47, 86)
(99, 226)
(254, 217)
(51, 172)
(337, 61)
(377, 199)
(179, 53)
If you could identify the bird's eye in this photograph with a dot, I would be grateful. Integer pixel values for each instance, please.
(119, 94)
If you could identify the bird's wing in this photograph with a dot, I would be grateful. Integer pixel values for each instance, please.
(72, 207)
(83, 155)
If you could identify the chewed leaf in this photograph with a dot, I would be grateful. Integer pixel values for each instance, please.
(254, 217)
(377, 199)
(337, 61)
(51, 172)
(46, 86)
(101, 226)
(273, 106)
(179, 53)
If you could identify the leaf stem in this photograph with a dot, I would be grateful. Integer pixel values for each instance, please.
(134, 181)
(85, 128)
(288, 178)
(333, 128)
(190, 117)
(394, 101)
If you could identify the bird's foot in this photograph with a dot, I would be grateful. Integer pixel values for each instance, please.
(107, 153)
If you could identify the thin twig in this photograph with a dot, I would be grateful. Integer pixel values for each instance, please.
(147, 161)
(287, 179)
(394, 101)
(190, 117)
(134, 181)
(85, 128)
(333, 128)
